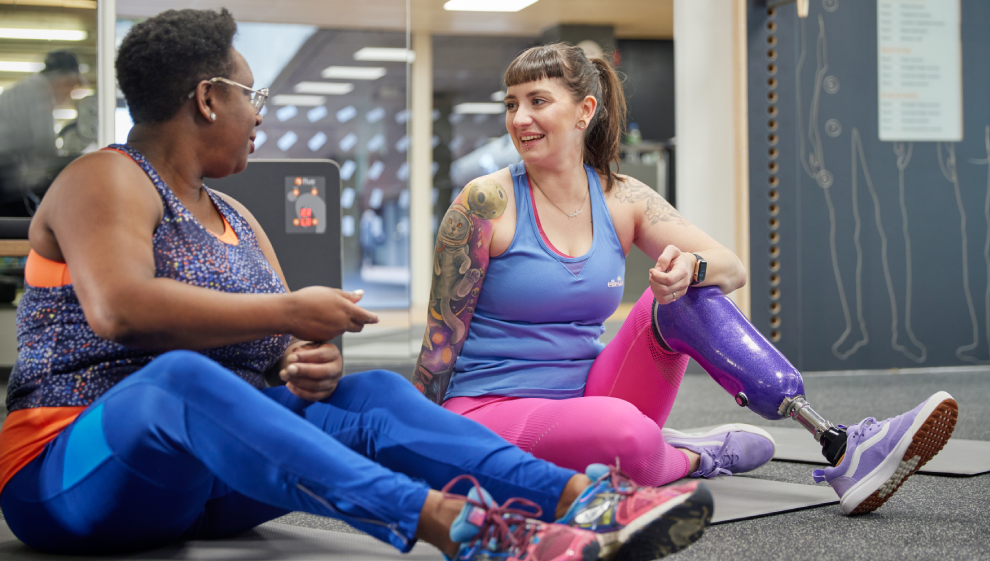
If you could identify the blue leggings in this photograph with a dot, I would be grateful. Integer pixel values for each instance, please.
(184, 449)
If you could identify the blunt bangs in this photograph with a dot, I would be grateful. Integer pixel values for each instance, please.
(535, 64)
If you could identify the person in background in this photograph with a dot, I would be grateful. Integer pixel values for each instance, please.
(27, 131)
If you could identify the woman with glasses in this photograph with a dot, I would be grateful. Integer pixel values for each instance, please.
(154, 310)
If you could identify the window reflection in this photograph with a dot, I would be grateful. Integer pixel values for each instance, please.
(469, 134)
(48, 108)
(343, 97)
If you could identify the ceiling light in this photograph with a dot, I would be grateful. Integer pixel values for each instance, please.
(385, 55)
(487, 5)
(78, 4)
(43, 34)
(316, 113)
(479, 108)
(346, 114)
(304, 100)
(65, 114)
(353, 72)
(287, 140)
(317, 142)
(10, 66)
(498, 96)
(286, 112)
(323, 88)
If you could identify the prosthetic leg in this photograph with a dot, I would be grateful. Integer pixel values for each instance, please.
(707, 326)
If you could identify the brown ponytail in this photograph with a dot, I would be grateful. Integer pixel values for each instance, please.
(582, 77)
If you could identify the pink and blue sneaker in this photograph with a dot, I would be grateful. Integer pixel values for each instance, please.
(881, 455)
(725, 450)
(488, 531)
(635, 523)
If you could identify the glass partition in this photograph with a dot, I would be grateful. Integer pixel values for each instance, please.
(470, 137)
(48, 108)
(343, 97)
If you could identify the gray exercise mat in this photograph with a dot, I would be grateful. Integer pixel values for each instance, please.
(736, 498)
(740, 497)
(958, 457)
(268, 542)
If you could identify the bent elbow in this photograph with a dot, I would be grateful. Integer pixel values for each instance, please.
(113, 325)
(741, 277)
(735, 278)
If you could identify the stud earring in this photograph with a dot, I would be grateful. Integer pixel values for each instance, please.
(213, 116)
(582, 124)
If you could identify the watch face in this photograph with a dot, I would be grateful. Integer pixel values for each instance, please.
(701, 266)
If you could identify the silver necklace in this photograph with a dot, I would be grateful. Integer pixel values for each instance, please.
(568, 214)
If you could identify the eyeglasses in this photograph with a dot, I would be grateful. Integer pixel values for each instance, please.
(258, 97)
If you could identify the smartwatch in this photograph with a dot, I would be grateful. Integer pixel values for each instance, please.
(700, 268)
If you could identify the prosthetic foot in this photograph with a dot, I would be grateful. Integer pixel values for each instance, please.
(882, 454)
(707, 326)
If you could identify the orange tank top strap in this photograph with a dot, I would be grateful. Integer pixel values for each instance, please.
(41, 272)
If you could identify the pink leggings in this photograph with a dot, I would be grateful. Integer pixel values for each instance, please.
(630, 390)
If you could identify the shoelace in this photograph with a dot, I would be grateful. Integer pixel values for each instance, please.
(499, 519)
(620, 481)
(717, 469)
(717, 463)
(867, 425)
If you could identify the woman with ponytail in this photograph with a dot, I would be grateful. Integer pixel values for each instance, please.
(529, 264)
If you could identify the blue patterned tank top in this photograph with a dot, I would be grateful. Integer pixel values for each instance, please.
(62, 362)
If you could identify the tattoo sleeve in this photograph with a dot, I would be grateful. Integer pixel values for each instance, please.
(460, 260)
(657, 209)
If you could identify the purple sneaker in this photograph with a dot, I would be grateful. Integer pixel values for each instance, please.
(726, 449)
(881, 455)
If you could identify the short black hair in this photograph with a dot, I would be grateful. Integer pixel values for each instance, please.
(163, 58)
(61, 62)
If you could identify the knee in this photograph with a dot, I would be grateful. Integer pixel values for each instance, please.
(383, 386)
(182, 369)
(181, 361)
(627, 433)
(381, 379)
(637, 441)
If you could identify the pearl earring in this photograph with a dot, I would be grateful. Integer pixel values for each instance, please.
(213, 116)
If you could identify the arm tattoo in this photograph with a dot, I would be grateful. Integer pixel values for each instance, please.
(657, 209)
(460, 259)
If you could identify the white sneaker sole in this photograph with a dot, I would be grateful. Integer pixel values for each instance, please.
(929, 432)
(671, 434)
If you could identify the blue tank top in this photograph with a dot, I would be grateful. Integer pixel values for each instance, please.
(539, 315)
(62, 362)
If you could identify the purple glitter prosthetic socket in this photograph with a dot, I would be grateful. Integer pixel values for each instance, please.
(707, 326)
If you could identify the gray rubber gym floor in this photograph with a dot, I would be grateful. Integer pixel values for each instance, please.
(930, 517)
